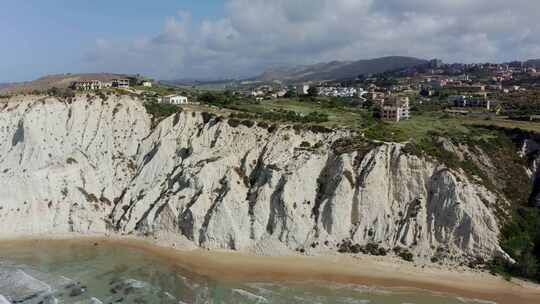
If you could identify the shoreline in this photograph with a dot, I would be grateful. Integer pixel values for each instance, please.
(342, 269)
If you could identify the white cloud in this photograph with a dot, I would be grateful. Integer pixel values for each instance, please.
(256, 34)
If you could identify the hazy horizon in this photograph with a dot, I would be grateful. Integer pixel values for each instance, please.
(241, 38)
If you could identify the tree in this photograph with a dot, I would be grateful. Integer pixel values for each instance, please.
(208, 97)
(368, 104)
(58, 92)
(313, 92)
(527, 265)
(289, 94)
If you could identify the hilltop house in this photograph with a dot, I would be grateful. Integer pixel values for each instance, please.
(89, 85)
(395, 109)
(470, 101)
(175, 99)
(120, 83)
(94, 85)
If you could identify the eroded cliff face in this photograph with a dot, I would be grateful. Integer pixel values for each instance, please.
(62, 163)
(94, 166)
(531, 151)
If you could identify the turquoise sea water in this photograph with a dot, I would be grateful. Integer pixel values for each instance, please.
(43, 273)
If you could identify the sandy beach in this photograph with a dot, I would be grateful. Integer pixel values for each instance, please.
(344, 269)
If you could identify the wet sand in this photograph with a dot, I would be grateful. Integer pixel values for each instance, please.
(365, 270)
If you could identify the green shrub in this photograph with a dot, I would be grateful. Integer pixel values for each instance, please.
(319, 129)
(406, 255)
(346, 246)
(403, 253)
(282, 116)
(273, 128)
(233, 123)
(262, 124)
(102, 95)
(305, 144)
(207, 116)
(221, 99)
(58, 92)
(521, 240)
(248, 123)
(160, 111)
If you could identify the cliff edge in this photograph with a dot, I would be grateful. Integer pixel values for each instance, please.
(93, 165)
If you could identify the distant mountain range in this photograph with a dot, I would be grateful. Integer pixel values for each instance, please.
(5, 85)
(196, 82)
(534, 63)
(338, 70)
(335, 70)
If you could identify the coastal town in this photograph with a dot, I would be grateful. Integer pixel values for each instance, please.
(459, 89)
(478, 90)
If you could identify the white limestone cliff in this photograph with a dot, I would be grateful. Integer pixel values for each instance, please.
(96, 166)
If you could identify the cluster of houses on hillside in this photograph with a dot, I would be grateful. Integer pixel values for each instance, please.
(330, 91)
(269, 92)
(174, 100)
(471, 101)
(340, 92)
(122, 83)
(266, 92)
(393, 107)
(497, 71)
(465, 92)
(94, 85)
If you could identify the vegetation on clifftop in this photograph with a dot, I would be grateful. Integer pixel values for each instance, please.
(160, 111)
(520, 238)
(505, 175)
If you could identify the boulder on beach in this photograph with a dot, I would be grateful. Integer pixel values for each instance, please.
(21, 284)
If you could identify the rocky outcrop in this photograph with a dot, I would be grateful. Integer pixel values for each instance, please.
(63, 162)
(21, 284)
(95, 166)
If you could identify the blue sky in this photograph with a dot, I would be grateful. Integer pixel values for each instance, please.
(52, 36)
(212, 39)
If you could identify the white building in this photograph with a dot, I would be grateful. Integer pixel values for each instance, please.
(280, 93)
(462, 101)
(147, 84)
(302, 89)
(361, 92)
(175, 99)
(257, 93)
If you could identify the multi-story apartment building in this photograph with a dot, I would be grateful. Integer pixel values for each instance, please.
(395, 109)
